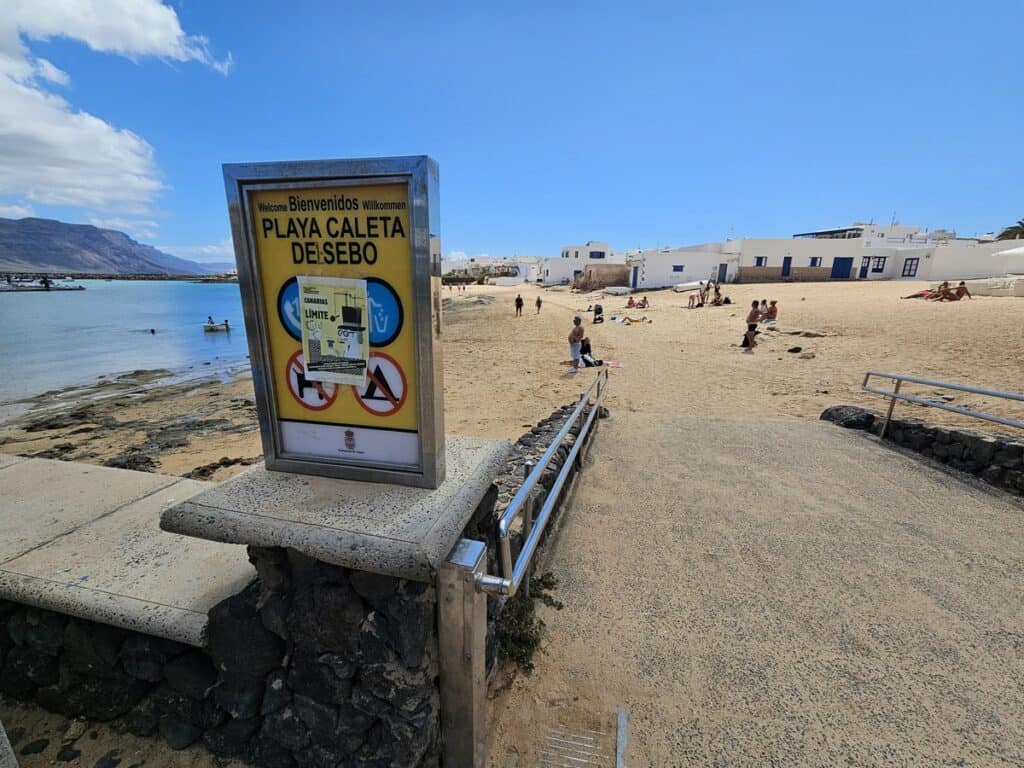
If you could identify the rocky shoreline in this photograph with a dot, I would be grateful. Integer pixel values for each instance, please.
(204, 428)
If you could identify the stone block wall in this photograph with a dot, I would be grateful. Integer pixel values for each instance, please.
(311, 665)
(482, 527)
(810, 274)
(996, 459)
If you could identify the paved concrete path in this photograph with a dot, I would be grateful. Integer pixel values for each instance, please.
(86, 541)
(787, 593)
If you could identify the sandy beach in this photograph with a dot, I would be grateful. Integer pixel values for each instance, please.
(502, 373)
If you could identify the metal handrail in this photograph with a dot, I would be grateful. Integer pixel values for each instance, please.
(512, 574)
(895, 395)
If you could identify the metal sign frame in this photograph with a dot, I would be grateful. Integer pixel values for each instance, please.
(420, 174)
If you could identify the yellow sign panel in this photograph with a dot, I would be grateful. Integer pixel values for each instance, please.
(362, 236)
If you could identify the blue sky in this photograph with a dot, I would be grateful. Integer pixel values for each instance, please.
(638, 123)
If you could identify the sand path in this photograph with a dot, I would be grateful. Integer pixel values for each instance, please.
(777, 592)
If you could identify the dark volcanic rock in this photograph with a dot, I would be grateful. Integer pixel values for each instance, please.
(240, 696)
(110, 760)
(92, 648)
(191, 674)
(286, 729)
(317, 680)
(144, 657)
(328, 616)
(35, 747)
(44, 630)
(237, 639)
(849, 416)
(202, 714)
(231, 738)
(372, 586)
(267, 753)
(67, 753)
(144, 718)
(177, 733)
(36, 666)
(98, 698)
(276, 695)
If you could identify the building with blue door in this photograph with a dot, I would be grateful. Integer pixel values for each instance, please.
(861, 251)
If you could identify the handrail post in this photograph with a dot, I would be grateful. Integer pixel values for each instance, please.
(892, 405)
(462, 638)
(528, 509)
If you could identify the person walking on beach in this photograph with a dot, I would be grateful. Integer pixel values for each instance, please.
(575, 340)
(539, 302)
(519, 305)
(752, 319)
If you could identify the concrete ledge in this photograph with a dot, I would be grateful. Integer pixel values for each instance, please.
(85, 541)
(386, 529)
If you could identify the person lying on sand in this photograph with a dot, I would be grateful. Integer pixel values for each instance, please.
(929, 293)
(634, 320)
(953, 294)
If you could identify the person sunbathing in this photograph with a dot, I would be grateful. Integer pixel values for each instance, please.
(627, 320)
(643, 303)
(961, 291)
(771, 313)
(630, 304)
(931, 294)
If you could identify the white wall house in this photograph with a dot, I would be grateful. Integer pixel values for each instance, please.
(857, 252)
(665, 267)
(570, 263)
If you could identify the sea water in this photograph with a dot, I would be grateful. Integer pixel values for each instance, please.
(49, 340)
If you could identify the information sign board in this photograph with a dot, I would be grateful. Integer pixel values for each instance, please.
(339, 266)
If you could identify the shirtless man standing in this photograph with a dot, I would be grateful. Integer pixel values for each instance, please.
(575, 339)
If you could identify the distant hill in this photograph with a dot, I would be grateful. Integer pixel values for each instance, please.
(45, 245)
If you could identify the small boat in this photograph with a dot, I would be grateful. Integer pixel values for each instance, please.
(216, 327)
(617, 290)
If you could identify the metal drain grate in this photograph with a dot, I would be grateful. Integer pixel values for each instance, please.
(577, 748)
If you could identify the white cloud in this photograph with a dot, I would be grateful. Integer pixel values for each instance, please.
(140, 229)
(222, 251)
(15, 211)
(48, 71)
(52, 153)
(131, 28)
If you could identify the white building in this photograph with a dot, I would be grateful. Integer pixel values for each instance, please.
(857, 252)
(569, 265)
(664, 267)
(505, 270)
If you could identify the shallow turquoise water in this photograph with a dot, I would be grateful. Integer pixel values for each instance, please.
(51, 340)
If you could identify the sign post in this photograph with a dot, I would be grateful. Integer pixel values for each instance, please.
(339, 266)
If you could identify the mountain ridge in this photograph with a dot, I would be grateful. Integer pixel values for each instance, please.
(47, 245)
